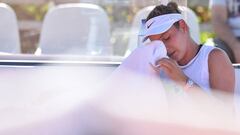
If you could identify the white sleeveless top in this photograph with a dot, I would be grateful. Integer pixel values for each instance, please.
(197, 68)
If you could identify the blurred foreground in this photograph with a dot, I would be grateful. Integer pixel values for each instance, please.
(91, 101)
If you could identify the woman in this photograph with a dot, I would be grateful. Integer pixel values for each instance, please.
(189, 64)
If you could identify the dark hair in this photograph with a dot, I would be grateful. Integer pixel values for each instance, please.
(170, 8)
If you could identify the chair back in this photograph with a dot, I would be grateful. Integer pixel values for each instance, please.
(77, 28)
(9, 35)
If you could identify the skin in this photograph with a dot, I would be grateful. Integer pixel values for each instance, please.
(223, 30)
(182, 49)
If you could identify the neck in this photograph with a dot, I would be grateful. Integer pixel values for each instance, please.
(191, 52)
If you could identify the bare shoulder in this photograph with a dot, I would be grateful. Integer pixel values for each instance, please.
(219, 59)
(218, 56)
(221, 71)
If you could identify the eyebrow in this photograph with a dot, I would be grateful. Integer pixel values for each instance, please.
(168, 33)
(163, 35)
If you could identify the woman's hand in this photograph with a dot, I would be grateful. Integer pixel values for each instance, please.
(170, 67)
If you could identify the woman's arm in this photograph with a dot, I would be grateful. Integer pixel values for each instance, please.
(221, 71)
(220, 25)
(223, 30)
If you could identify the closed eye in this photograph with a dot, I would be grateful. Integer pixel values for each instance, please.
(166, 38)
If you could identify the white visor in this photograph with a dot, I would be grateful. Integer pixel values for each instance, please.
(160, 24)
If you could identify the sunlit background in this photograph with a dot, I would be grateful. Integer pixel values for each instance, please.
(121, 13)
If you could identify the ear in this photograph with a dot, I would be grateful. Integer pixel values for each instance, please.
(183, 26)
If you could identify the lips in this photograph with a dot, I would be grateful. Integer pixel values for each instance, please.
(171, 54)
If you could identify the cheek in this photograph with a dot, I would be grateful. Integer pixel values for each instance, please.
(171, 44)
(180, 42)
(181, 38)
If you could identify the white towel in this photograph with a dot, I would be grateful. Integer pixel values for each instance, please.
(140, 59)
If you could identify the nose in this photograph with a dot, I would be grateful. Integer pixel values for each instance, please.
(168, 50)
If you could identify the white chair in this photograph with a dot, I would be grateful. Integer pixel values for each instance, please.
(189, 16)
(77, 29)
(9, 35)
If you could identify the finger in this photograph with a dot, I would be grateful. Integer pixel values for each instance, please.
(166, 65)
(173, 61)
(166, 61)
(166, 69)
(156, 68)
